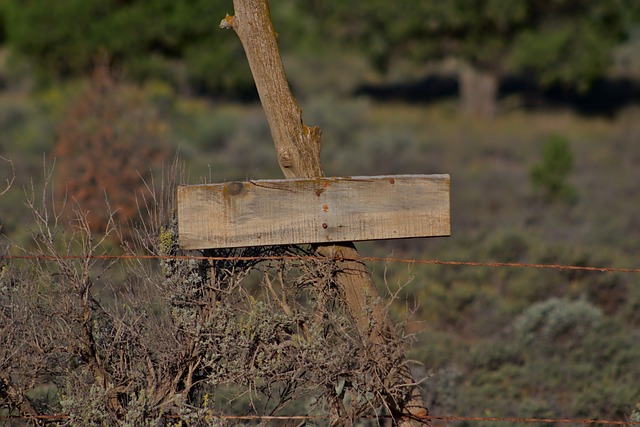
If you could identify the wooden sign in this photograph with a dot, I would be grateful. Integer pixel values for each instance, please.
(318, 210)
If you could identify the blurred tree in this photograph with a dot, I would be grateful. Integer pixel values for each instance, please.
(107, 148)
(565, 42)
(158, 39)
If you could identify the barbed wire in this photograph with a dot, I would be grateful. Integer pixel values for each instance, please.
(490, 264)
(424, 419)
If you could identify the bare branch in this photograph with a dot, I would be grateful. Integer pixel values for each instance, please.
(9, 181)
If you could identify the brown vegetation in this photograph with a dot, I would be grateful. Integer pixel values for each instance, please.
(187, 338)
(107, 148)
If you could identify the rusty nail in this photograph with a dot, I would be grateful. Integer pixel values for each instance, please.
(324, 225)
(392, 181)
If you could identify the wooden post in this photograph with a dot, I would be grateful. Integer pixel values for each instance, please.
(297, 146)
(298, 151)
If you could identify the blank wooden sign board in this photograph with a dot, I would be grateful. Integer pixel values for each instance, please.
(318, 210)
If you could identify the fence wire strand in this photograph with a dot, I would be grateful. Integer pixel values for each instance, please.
(425, 419)
(490, 264)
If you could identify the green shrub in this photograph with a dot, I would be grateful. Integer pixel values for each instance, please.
(557, 323)
(635, 416)
(550, 175)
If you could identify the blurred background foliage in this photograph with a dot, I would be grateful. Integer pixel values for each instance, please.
(532, 107)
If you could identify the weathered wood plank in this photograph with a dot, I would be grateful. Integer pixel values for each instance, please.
(319, 210)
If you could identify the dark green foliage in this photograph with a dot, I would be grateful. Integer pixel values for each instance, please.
(570, 42)
(567, 42)
(564, 42)
(551, 174)
(175, 41)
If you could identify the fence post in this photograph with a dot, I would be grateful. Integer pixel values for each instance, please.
(298, 151)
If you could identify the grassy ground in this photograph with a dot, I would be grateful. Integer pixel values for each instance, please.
(476, 327)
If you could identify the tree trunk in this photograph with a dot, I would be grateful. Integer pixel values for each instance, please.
(478, 92)
(298, 151)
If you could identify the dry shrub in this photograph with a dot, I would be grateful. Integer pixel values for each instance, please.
(108, 146)
(159, 342)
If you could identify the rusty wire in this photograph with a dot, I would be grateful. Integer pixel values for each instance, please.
(599, 269)
(425, 419)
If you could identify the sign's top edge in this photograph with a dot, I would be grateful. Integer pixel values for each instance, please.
(334, 178)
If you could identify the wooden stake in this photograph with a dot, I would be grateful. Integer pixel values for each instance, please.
(298, 150)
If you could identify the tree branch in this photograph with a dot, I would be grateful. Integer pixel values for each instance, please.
(297, 146)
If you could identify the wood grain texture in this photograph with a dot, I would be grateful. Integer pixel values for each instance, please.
(297, 145)
(318, 210)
